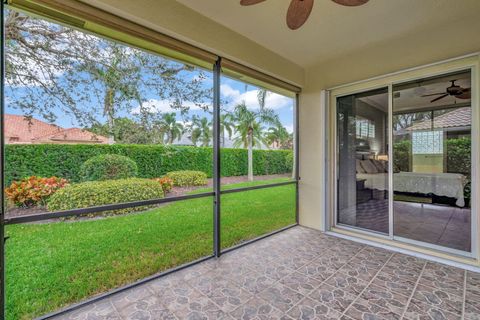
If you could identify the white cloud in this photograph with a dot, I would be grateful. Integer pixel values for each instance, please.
(289, 128)
(164, 106)
(234, 97)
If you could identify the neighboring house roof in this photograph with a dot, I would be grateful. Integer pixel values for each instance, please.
(22, 130)
(72, 135)
(457, 118)
(26, 130)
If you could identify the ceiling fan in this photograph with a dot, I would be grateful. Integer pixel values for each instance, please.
(454, 90)
(299, 10)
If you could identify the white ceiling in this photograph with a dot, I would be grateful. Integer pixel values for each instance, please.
(334, 30)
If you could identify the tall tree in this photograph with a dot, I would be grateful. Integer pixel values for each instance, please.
(201, 131)
(129, 131)
(262, 97)
(278, 137)
(248, 127)
(226, 127)
(53, 70)
(173, 129)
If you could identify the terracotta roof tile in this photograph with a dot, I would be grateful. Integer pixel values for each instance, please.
(461, 117)
(19, 129)
(73, 135)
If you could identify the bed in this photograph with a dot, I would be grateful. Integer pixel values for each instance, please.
(440, 184)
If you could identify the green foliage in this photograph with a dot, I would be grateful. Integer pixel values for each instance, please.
(248, 125)
(33, 190)
(201, 131)
(96, 193)
(166, 183)
(65, 160)
(459, 160)
(401, 155)
(188, 178)
(459, 156)
(289, 160)
(98, 255)
(108, 167)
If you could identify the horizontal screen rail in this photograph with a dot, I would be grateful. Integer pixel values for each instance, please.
(126, 205)
(263, 186)
(116, 206)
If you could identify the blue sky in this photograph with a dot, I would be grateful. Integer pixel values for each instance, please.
(232, 93)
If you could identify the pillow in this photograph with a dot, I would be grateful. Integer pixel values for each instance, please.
(385, 165)
(359, 167)
(380, 165)
(368, 166)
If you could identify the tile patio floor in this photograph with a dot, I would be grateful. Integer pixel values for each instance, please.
(301, 274)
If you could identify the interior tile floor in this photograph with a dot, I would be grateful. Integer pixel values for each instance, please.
(441, 225)
(300, 274)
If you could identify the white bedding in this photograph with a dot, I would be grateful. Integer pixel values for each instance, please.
(440, 184)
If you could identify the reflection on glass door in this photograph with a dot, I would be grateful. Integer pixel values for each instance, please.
(432, 121)
(362, 148)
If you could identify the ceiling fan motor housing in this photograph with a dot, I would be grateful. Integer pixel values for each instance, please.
(454, 90)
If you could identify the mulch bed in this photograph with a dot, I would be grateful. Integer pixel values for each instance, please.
(180, 191)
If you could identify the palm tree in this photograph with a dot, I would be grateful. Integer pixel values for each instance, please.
(172, 128)
(201, 131)
(278, 137)
(248, 127)
(226, 126)
(262, 97)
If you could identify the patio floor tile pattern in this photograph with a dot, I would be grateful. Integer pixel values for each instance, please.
(300, 274)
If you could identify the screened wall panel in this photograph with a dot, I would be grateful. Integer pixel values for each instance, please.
(250, 214)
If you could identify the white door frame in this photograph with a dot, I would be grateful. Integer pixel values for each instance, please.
(471, 63)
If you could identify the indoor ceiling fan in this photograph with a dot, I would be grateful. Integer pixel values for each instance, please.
(454, 90)
(299, 10)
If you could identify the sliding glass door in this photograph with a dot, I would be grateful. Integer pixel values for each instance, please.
(362, 200)
(432, 125)
(404, 161)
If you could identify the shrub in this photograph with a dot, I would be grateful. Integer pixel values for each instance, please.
(289, 161)
(459, 155)
(108, 167)
(166, 183)
(33, 190)
(96, 193)
(188, 178)
(401, 155)
(65, 160)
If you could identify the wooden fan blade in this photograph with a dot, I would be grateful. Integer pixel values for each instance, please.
(433, 94)
(250, 2)
(350, 3)
(466, 94)
(298, 13)
(441, 97)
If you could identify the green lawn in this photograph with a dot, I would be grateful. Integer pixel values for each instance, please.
(51, 265)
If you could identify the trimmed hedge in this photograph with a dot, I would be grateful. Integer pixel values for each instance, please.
(96, 193)
(401, 156)
(459, 156)
(187, 178)
(108, 167)
(65, 160)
